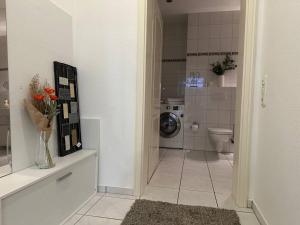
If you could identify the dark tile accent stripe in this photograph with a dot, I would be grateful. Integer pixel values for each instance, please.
(174, 60)
(3, 69)
(200, 54)
(211, 53)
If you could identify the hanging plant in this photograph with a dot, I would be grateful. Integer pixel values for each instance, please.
(220, 68)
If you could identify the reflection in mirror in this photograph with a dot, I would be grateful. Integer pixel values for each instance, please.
(5, 148)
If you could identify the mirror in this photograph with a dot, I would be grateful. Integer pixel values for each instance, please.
(5, 147)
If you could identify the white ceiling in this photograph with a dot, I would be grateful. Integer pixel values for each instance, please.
(196, 6)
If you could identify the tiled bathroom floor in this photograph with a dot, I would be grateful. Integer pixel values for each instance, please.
(193, 178)
(190, 178)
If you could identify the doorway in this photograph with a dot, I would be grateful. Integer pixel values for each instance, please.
(243, 112)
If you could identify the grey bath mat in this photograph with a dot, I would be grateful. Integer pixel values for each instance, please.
(145, 212)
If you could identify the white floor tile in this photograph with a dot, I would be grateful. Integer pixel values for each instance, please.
(199, 169)
(196, 165)
(170, 168)
(222, 170)
(196, 182)
(174, 163)
(162, 153)
(161, 194)
(120, 196)
(229, 156)
(89, 220)
(173, 155)
(165, 180)
(219, 164)
(221, 175)
(197, 198)
(73, 220)
(212, 157)
(195, 157)
(248, 219)
(90, 204)
(222, 186)
(108, 207)
(226, 201)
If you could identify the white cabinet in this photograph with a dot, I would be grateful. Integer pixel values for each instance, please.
(51, 200)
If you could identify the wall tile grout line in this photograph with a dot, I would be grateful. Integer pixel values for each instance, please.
(211, 179)
(184, 152)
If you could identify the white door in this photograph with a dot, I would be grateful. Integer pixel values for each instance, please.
(156, 91)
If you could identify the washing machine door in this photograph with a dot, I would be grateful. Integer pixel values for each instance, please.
(170, 125)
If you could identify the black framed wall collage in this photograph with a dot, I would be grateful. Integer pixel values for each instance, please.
(68, 119)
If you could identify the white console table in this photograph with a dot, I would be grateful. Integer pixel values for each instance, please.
(33, 196)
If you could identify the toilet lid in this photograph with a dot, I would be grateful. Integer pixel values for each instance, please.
(219, 131)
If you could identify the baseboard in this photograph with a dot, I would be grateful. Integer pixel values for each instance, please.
(262, 220)
(116, 190)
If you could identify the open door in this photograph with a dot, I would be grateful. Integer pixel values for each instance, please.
(155, 85)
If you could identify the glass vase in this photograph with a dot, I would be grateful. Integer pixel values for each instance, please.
(45, 156)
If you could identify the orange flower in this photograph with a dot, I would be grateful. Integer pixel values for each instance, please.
(39, 97)
(53, 97)
(49, 90)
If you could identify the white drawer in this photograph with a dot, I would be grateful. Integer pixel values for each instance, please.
(51, 201)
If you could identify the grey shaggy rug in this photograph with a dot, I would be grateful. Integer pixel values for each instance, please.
(145, 212)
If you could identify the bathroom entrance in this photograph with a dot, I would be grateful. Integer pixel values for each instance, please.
(202, 80)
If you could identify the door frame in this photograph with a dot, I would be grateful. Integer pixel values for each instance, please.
(245, 88)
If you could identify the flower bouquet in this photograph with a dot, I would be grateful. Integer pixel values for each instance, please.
(42, 109)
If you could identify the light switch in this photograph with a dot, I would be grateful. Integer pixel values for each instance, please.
(264, 90)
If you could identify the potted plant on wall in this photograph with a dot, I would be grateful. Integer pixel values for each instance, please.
(220, 68)
(42, 109)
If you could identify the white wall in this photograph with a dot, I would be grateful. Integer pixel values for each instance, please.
(276, 143)
(38, 34)
(209, 108)
(210, 37)
(105, 49)
(66, 5)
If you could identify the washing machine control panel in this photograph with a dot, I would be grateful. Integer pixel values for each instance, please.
(174, 108)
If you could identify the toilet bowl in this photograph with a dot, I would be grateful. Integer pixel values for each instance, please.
(220, 138)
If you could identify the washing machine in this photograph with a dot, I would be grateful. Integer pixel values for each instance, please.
(171, 126)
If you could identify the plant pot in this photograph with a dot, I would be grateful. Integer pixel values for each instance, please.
(221, 81)
(45, 155)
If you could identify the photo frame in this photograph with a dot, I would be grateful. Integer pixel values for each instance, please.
(68, 119)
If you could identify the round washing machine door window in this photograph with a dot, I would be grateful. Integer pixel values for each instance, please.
(170, 125)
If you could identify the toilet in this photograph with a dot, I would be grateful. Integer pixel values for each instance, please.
(220, 138)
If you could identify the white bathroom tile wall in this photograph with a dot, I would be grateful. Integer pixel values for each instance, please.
(202, 45)
(193, 20)
(203, 19)
(217, 34)
(174, 57)
(192, 32)
(236, 17)
(207, 107)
